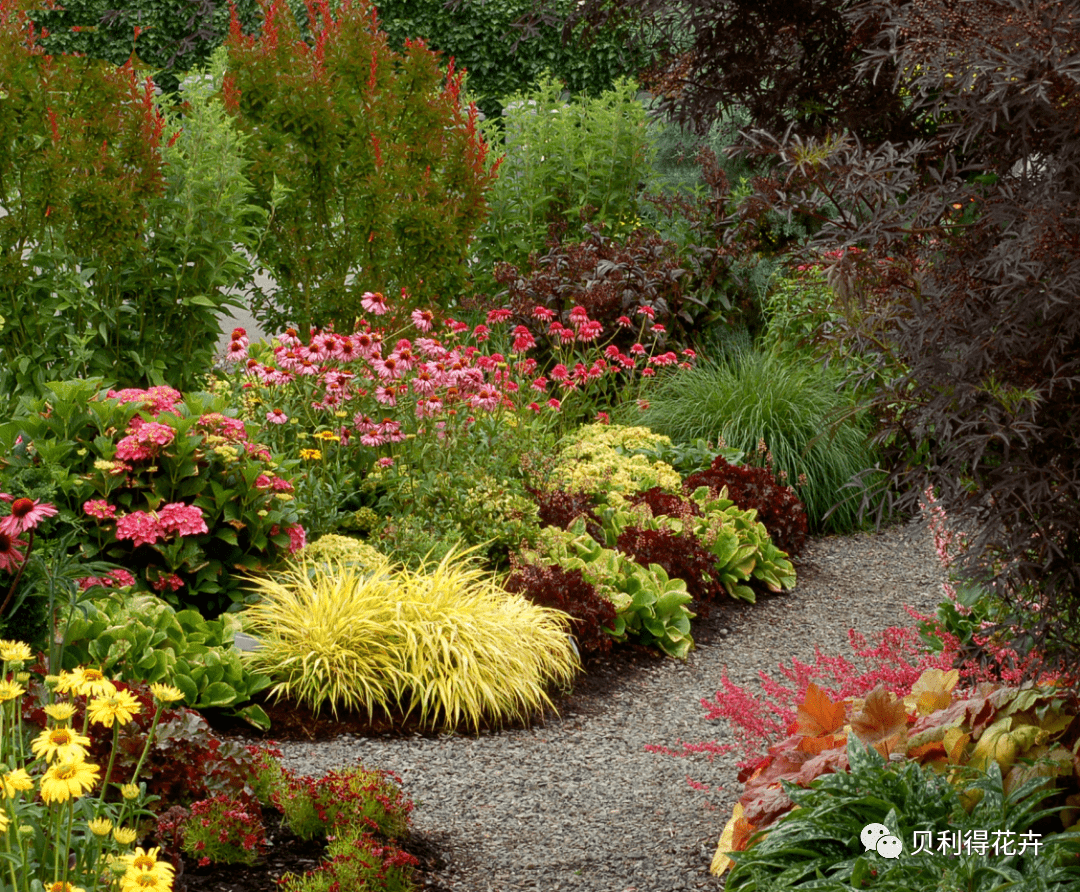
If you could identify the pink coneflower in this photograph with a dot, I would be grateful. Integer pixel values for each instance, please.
(276, 416)
(637, 349)
(481, 333)
(534, 406)
(523, 340)
(590, 330)
(487, 398)
(10, 556)
(494, 317)
(644, 310)
(624, 322)
(579, 315)
(554, 404)
(373, 439)
(559, 373)
(602, 418)
(659, 329)
(540, 384)
(236, 352)
(543, 314)
(424, 320)
(668, 358)
(386, 396)
(385, 462)
(374, 302)
(25, 515)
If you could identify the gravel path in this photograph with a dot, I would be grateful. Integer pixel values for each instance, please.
(577, 803)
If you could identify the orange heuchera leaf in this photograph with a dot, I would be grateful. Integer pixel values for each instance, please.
(882, 722)
(932, 691)
(817, 745)
(818, 715)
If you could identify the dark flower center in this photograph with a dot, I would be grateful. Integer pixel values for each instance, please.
(22, 507)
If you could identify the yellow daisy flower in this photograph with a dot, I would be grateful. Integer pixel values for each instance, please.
(311, 454)
(147, 862)
(100, 826)
(62, 712)
(327, 435)
(166, 693)
(17, 781)
(67, 779)
(9, 690)
(15, 652)
(61, 886)
(93, 683)
(144, 881)
(120, 707)
(59, 743)
(125, 835)
(130, 791)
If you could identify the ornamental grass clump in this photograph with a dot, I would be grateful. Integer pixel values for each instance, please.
(445, 641)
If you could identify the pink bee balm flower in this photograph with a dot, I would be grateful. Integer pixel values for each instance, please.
(100, 509)
(374, 302)
(25, 515)
(276, 416)
(10, 556)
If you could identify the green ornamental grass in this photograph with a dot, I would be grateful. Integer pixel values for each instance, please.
(798, 408)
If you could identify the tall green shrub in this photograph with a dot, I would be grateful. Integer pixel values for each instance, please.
(122, 222)
(564, 160)
(506, 48)
(793, 405)
(370, 160)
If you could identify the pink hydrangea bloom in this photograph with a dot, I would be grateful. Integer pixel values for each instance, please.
(140, 527)
(100, 509)
(297, 537)
(185, 520)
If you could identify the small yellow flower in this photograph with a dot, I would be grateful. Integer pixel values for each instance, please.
(144, 881)
(15, 652)
(120, 707)
(93, 683)
(9, 690)
(61, 712)
(341, 414)
(125, 835)
(3, 820)
(60, 744)
(328, 435)
(283, 496)
(311, 454)
(130, 791)
(16, 781)
(165, 693)
(67, 779)
(100, 826)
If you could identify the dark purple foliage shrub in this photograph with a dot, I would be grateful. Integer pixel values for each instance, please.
(777, 506)
(560, 508)
(568, 591)
(681, 556)
(661, 502)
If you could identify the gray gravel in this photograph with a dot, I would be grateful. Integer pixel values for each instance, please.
(577, 803)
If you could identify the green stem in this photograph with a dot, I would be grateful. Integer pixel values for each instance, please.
(12, 828)
(67, 844)
(108, 770)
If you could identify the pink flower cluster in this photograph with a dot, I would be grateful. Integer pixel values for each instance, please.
(114, 579)
(145, 441)
(148, 527)
(155, 400)
(296, 534)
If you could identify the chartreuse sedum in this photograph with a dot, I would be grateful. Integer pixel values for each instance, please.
(444, 641)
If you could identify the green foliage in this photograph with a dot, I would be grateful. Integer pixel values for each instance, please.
(798, 408)
(649, 606)
(143, 638)
(124, 227)
(368, 160)
(173, 37)
(481, 36)
(207, 468)
(444, 641)
(566, 163)
(818, 845)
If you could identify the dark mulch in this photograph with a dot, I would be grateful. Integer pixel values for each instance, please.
(591, 693)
